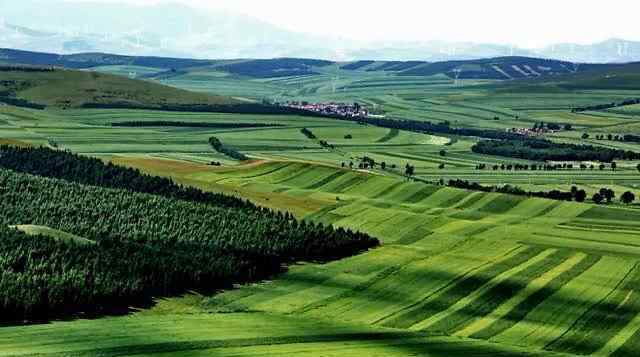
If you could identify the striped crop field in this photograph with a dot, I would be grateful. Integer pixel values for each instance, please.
(497, 274)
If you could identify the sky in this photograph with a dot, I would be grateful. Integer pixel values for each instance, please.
(525, 24)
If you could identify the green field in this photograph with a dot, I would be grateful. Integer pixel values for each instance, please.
(459, 273)
(533, 273)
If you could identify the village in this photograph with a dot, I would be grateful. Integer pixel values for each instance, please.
(354, 110)
(540, 129)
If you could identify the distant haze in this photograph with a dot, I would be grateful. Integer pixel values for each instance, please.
(332, 29)
(524, 24)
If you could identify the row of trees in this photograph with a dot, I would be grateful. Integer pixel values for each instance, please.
(515, 190)
(424, 126)
(606, 106)
(325, 144)
(19, 102)
(23, 68)
(545, 150)
(145, 245)
(545, 167)
(239, 108)
(551, 126)
(308, 133)
(217, 145)
(608, 195)
(611, 137)
(604, 195)
(187, 124)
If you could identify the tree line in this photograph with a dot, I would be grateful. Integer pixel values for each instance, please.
(19, 102)
(85, 170)
(145, 245)
(545, 150)
(543, 167)
(426, 127)
(23, 68)
(515, 190)
(187, 124)
(575, 194)
(605, 106)
(630, 138)
(240, 108)
(217, 145)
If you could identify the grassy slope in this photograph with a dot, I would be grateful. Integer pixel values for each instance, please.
(67, 88)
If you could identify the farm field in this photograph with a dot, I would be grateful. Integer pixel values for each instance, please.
(90, 132)
(458, 273)
(500, 274)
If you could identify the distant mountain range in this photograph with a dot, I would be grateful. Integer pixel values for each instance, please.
(62, 27)
(496, 68)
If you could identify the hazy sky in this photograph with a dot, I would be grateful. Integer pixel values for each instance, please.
(522, 23)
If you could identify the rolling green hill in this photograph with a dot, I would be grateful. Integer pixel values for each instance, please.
(70, 88)
(500, 68)
(592, 77)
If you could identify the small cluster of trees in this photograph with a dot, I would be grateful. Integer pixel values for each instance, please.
(326, 145)
(308, 133)
(551, 126)
(217, 145)
(409, 170)
(608, 195)
(367, 162)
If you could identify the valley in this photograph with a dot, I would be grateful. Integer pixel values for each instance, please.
(453, 272)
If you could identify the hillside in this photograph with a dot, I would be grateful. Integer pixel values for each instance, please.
(89, 60)
(589, 77)
(501, 68)
(498, 68)
(70, 88)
